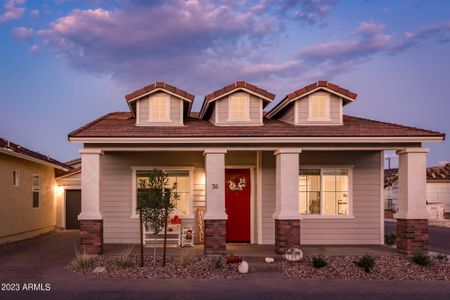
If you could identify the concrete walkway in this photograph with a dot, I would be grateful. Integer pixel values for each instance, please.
(44, 260)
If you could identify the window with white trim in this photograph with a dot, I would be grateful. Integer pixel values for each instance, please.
(324, 191)
(183, 188)
(15, 178)
(239, 107)
(159, 108)
(319, 109)
(36, 187)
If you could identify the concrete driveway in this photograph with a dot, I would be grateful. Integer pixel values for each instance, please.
(43, 261)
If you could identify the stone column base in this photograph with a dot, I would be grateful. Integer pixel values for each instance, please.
(91, 236)
(287, 235)
(215, 236)
(412, 234)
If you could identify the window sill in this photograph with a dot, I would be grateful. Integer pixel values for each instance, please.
(346, 217)
(238, 120)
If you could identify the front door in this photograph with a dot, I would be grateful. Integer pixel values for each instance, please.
(73, 208)
(237, 204)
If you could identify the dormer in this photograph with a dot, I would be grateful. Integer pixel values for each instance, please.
(160, 104)
(237, 104)
(320, 103)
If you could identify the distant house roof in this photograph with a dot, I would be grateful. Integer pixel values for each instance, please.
(238, 85)
(13, 149)
(321, 84)
(69, 173)
(73, 161)
(122, 124)
(434, 174)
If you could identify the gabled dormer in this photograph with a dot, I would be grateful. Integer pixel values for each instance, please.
(160, 104)
(238, 104)
(320, 103)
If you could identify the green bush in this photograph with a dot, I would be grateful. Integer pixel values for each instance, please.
(390, 239)
(421, 258)
(217, 262)
(319, 262)
(124, 260)
(367, 262)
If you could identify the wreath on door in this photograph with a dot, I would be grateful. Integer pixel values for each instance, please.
(237, 183)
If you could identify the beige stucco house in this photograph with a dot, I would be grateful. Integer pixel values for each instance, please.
(302, 173)
(28, 192)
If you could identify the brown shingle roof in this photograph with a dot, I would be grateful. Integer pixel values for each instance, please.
(122, 124)
(437, 174)
(9, 146)
(160, 85)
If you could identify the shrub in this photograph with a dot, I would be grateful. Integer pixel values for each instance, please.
(390, 239)
(319, 262)
(82, 261)
(233, 259)
(217, 262)
(367, 262)
(123, 259)
(421, 258)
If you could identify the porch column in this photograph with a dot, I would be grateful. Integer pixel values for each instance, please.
(412, 223)
(287, 216)
(91, 221)
(215, 216)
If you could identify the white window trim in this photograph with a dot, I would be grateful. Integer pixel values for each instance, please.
(16, 178)
(350, 191)
(39, 191)
(134, 215)
(327, 109)
(247, 117)
(167, 99)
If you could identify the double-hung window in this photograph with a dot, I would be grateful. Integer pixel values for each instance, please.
(324, 191)
(239, 107)
(159, 108)
(36, 186)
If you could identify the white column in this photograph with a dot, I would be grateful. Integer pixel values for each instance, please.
(215, 184)
(90, 184)
(412, 183)
(287, 172)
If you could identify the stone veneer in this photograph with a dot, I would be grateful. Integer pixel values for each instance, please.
(287, 235)
(412, 234)
(215, 236)
(91, 236)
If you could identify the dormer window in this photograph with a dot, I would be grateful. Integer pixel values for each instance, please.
(319, 107)
(239, 107)
(159, 108)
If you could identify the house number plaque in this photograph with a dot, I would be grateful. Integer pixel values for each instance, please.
(215, 186)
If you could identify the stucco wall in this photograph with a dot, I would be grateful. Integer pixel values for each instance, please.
(176, 110)
(18, 218)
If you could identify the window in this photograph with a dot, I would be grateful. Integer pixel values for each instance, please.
(15, 178)
(159, 108)
(181, 178)
(36, 188)
(239, 106)
(324, 191)
(319, 107)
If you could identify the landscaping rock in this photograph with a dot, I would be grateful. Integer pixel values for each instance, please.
(99, 270)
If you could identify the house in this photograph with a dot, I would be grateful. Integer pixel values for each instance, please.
(301, 173)
(437, 191)
(28, 192)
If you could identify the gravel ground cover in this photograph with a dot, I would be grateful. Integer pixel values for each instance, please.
(199, 267)
(386, 268)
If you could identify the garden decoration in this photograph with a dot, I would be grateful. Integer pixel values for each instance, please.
(243, 267)
(293, 254)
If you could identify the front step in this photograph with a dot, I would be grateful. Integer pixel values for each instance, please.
(258, 265)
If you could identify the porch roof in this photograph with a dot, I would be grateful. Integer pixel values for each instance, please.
(122, 124)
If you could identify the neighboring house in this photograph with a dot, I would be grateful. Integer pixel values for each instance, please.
(69, 199)
(28, 192)
(302, 173)
(438, 190)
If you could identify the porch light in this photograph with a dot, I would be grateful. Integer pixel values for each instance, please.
(59, 190)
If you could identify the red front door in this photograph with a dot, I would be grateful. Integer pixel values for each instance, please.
(237, 204)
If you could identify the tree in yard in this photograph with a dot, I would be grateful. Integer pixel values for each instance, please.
(156, 199)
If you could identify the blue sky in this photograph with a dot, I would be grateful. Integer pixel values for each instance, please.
(65, 63)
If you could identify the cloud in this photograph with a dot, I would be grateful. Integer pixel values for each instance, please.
(13, 11)
(35, 13)
(440, 32)
(22, 32)
(34, 48)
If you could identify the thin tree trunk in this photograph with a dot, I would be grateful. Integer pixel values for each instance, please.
(142, 238)
(165, 237)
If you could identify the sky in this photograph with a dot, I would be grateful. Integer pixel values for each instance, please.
(65, 63)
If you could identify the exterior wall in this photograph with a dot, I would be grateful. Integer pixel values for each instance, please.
(335, 110)
(439, 192)
(288, 115)
(18, 218)
(363, 228)
(176, 112)
(221, 112)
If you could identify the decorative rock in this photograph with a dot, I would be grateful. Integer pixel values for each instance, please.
(99, 270)
(293, 254)
(243, 267)
(269, 260)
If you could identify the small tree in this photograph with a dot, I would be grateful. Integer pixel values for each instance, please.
(156, 200)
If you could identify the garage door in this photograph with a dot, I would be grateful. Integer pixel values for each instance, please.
(73, 208)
